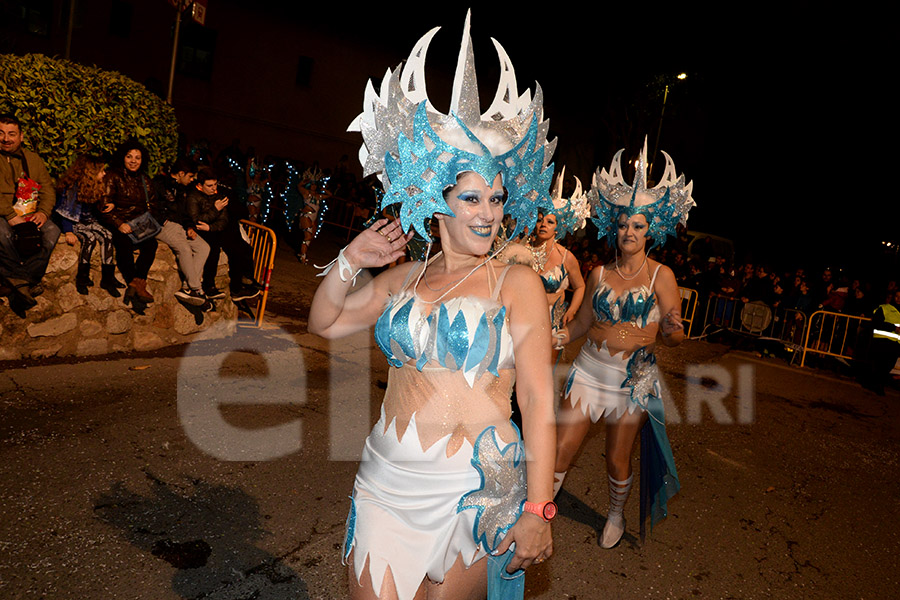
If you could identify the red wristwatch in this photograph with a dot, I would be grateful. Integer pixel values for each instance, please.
(545, 510)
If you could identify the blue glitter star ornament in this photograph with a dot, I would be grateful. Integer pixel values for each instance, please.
(500, 496)
(643, 378)
(418, 152)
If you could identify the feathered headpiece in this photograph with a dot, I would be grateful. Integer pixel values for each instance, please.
(418, 151)
(664, 206)
(572, 214)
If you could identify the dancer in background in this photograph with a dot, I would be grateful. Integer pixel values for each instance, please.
(634, 303)
(558, 268)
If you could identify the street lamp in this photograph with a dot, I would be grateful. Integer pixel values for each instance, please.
(680, 77)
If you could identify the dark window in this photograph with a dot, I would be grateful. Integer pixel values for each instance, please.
(196, 50)
(120, 19)
(32, 16)
(304, 71)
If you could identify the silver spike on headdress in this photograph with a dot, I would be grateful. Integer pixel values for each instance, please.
(572, 213)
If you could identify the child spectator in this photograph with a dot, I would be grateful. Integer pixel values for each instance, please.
(81, 197)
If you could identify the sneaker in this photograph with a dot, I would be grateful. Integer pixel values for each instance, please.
(214, 293)
(194, 297)
(244, 293)
(251, 283)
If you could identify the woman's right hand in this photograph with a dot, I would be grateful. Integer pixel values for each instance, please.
(379, 245)
(71, 239)
(125, 228)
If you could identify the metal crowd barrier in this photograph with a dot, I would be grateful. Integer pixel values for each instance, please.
(834, 334)
(756, 319)
(263, 242)
(688, 307)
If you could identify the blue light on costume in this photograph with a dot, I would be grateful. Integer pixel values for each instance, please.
(418, 176)
(500, 496)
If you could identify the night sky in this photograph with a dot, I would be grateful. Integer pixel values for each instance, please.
(775, 123)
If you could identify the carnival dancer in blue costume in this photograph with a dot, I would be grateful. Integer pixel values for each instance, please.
(634, 302)
(443, 482)
(558, 268)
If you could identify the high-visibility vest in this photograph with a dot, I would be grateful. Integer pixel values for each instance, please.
(891, 317)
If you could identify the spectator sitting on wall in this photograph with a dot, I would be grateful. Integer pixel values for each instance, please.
(209, 215)
(178, 233)
(130, 193)
(82, 198)
(27, 235)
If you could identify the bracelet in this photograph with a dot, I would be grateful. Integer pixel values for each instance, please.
(343, 266)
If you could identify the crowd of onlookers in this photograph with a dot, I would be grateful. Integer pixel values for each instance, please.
(114, 205)
(713, 274)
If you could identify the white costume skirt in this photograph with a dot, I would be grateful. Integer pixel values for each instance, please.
(595, 381)
(405, 509)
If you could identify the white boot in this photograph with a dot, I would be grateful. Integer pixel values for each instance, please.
(615, 520)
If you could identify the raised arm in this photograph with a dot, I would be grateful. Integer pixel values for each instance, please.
(334, 313)
(671, 329)
(529, 325)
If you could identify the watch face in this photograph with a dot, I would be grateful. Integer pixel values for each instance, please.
(550, 510)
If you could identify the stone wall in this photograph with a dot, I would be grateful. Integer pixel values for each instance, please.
(65, 323)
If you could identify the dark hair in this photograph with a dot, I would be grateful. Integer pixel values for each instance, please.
(206, 174)
(10, 119)
(118, 161)
(183, 165)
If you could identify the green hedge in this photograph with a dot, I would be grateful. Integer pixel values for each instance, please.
(67, 108)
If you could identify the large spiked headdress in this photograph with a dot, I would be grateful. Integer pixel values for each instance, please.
(571, 214)
(418, 151)
(664, 206)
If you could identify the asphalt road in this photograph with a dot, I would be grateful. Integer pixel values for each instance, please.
(114, 485)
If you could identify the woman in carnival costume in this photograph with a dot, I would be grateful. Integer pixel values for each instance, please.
(558, 268)
(634, 302)
(442, 482)
(312, 189)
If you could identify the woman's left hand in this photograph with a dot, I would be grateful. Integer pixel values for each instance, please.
(534, 542)
(570, 314)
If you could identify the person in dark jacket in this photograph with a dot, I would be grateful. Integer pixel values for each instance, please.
(208, 212)
(178, 233)
(130, 193)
